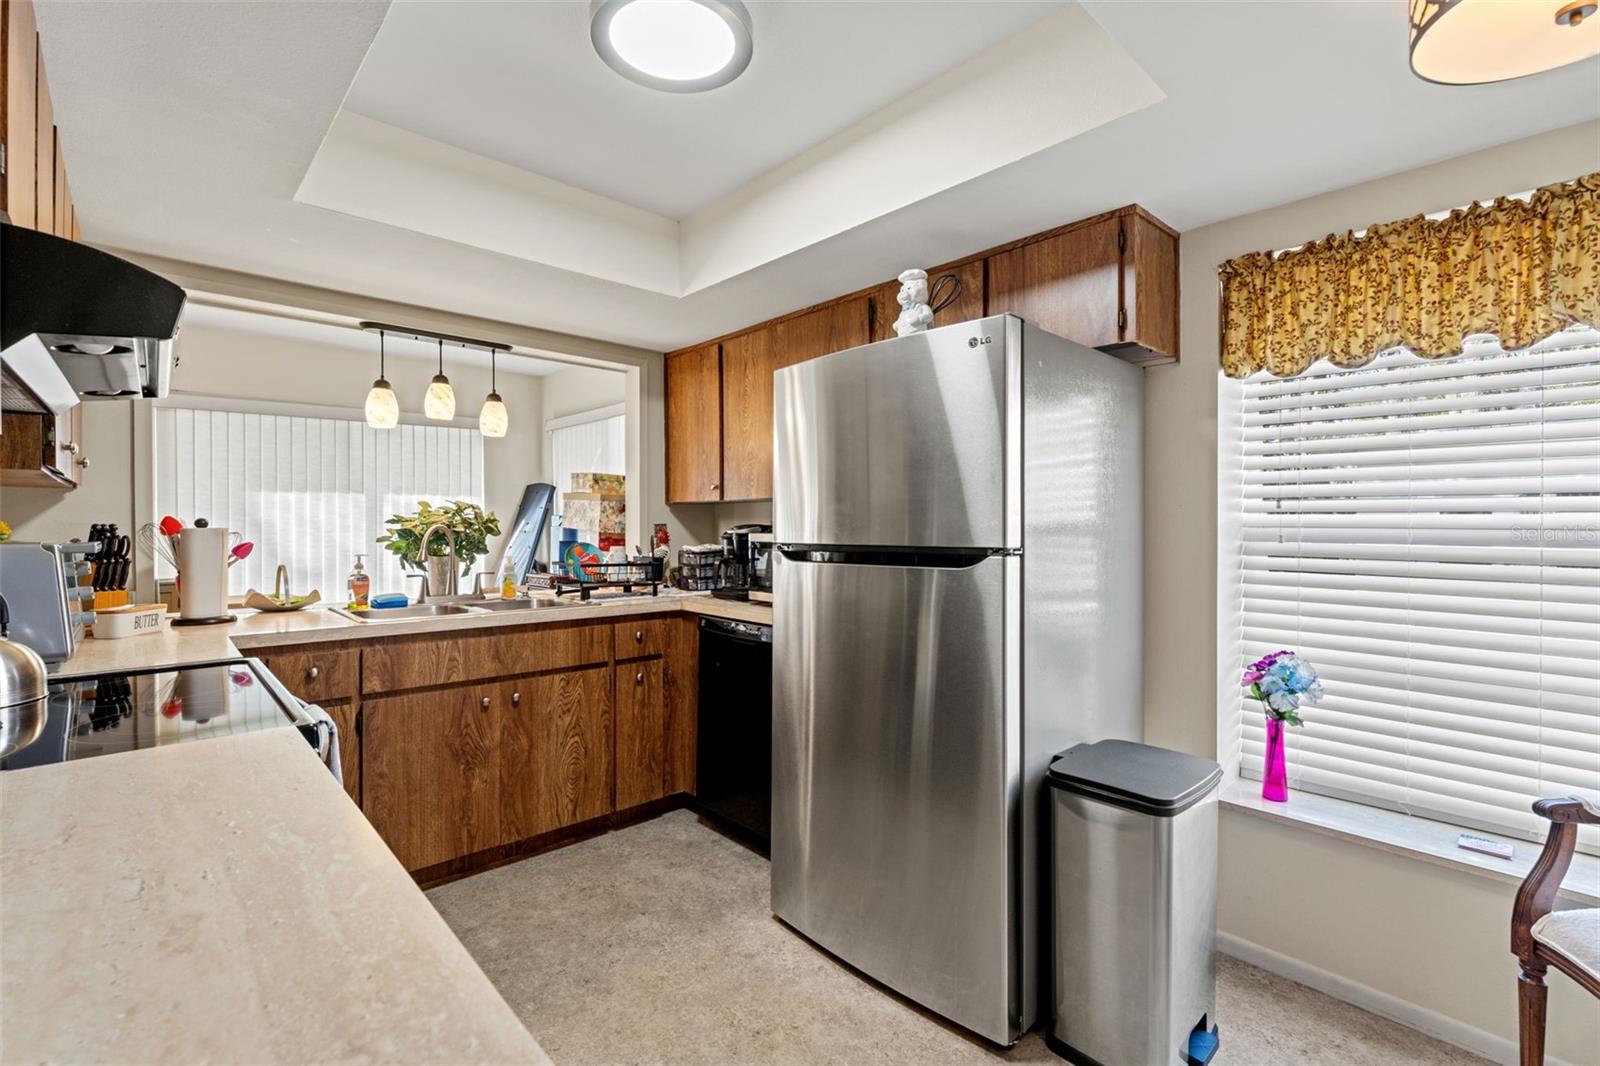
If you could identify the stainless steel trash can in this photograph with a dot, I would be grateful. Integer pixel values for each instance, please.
(1134, 870)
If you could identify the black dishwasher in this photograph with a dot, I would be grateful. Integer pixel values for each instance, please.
(734, 745)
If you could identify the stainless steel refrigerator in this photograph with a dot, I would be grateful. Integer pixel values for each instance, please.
(957, 598)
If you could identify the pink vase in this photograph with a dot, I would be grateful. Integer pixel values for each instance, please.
(1275, 775)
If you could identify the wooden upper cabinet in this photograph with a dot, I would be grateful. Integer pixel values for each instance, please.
(21, 112)
(63, 195)
(1149, 291)
(694, 425)
(34, 191)
(828, 329)
(1111, 283)
(44, 160)
(968, 304)
(1068, 284)
(747, 365)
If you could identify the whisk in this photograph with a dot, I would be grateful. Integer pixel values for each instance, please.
(157, 544)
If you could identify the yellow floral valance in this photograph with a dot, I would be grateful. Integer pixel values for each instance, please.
(1520, 270)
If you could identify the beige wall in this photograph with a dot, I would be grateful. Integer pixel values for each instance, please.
(1429, 936)
(582, 388)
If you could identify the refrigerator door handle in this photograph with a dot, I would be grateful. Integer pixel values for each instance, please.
(937, 558)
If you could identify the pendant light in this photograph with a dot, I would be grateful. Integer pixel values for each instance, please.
(383, 410)
(492, 420)
(440, 403)
(1473, 42)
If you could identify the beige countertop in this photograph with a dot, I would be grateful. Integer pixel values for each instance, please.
(224, 902)
(254, 631)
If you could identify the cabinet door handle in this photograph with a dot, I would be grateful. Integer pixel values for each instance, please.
(314, 672)
(638, 636)
(516, 697)
(485, 701)
(715, 486)
(638, 679)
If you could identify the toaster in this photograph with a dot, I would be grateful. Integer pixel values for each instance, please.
(47, 590)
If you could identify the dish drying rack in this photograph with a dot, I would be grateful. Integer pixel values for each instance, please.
(646, 573)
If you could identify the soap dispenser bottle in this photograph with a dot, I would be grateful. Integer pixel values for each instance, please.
(360, 585)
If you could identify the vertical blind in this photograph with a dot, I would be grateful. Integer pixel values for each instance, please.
(597, 445)
(1427, 534)
(309, 492)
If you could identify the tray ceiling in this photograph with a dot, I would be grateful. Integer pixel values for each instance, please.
(561, 200)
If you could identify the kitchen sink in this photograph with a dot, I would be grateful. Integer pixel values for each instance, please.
(445, 610)
(400, 614)
(518, 605)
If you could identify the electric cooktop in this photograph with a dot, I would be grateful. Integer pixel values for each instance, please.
(112, 713)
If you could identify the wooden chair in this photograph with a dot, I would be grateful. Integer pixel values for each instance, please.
(1541, 936)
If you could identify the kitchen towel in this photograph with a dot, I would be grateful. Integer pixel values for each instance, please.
(321, 717)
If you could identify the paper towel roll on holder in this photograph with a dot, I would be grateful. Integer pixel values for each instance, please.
(202, 557)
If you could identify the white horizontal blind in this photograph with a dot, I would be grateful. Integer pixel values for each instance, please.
(596, 446)
(309, 492)
(1427, 534)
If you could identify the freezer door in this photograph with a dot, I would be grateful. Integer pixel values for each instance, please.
(911, 441)
(895, 777)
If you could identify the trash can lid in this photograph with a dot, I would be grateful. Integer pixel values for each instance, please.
(1139, 777)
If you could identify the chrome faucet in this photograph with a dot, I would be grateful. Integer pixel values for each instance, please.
(451, 585)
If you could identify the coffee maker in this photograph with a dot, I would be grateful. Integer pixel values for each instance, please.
(746, 551)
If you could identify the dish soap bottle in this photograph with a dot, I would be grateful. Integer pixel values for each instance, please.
(360, 585)
(508, 583)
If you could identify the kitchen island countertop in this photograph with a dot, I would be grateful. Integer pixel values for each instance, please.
(224, 901)
(255, 631)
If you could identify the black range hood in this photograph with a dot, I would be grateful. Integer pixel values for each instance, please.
(106, 324)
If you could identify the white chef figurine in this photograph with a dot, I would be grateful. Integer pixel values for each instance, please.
(915, 314)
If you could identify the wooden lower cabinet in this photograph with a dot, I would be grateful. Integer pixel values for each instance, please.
(555, 751)
(328, 677)
(680, 685)
(457, 770)
(432, 775)
(641, 733)
(451, 771)
(344, 715)
(316, 675)
(395, 665)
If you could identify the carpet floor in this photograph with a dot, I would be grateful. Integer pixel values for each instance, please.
(654, 944)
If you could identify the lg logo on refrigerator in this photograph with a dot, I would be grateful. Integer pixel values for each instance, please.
(973, 342)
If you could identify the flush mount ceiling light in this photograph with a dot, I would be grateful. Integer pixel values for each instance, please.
(383, 409)
(492, 418)
(677, 46)
(440, 402)
(1472, 42)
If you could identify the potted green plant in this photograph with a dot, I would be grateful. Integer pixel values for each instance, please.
(471, 525)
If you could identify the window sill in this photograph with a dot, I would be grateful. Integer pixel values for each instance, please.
(1404, 834)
